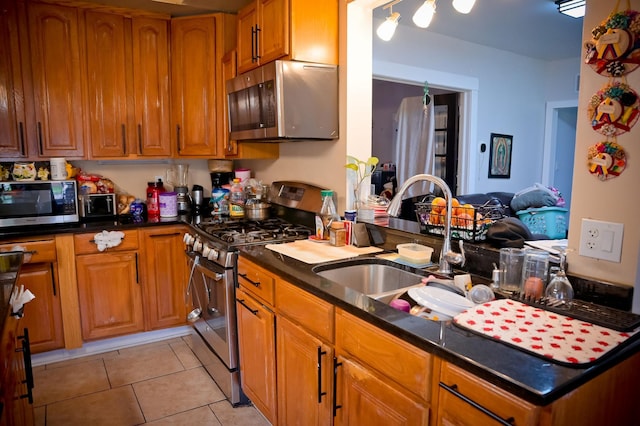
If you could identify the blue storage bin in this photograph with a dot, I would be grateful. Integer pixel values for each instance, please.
(549, 221)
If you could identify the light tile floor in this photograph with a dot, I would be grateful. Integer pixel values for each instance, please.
(160, 383)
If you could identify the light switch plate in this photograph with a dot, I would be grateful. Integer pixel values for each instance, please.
(601, 240)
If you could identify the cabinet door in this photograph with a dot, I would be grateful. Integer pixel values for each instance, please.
(165, 277)
(257, 348)
(109, 294)
(364, 398)
(58, 79)
(150, 38)
(273, 37)
(12, 115)
(106, 62)
(246, 45)
(305, 370)
(193, 82)
(43, 315)
(464, 399)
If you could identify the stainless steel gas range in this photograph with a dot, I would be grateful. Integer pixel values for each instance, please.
(212, 253)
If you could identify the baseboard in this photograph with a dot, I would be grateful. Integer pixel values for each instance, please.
(112, 344)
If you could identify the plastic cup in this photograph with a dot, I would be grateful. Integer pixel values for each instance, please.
(511, 261)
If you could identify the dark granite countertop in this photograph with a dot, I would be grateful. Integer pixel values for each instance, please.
(534, 379)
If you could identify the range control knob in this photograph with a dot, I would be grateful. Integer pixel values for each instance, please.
(206, 250)
(188, 239)
(213, 255)
(197, 245)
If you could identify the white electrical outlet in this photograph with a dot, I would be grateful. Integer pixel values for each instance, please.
(601, 240)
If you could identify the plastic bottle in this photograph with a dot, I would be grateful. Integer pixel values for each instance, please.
(327, 215)
(236, 199)
(153, 197)
(219, 199)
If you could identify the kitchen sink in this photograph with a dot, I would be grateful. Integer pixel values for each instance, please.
(377, 278)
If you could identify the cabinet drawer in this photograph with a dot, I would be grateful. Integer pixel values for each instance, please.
(256, 281)
(313, 313)
(85, 243)
(393, 358)
(456, 384)
(42, 251)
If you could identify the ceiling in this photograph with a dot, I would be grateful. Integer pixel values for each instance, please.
(532, 28)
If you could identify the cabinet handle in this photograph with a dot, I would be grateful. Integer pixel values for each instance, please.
(124, 139)
(21, 133)
(454, 390)
(255, 283)
(53, 279)
(139, 138)
(137, 272)
(336, 364)
(320, 393)
(257, 43)
(178, 136)
(253, 44)
(254, 312)
(28, 370)
(40, 138)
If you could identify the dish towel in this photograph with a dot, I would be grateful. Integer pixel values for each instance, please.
(18, 298)
(108, 239)
(552, 336)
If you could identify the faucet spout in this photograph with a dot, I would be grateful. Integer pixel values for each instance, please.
(447, 256)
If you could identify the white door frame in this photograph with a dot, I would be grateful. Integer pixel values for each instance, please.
(468, 88)
(550, 131)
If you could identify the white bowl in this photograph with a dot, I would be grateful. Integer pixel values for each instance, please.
(440, 300)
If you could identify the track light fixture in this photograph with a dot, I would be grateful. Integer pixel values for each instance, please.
(423, 16)
(463, 6)
(386, 30)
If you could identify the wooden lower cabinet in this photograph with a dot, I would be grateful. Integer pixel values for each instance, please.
(39, 274)
(165, 276)
(110, 294)
(42, 315)
(257, 348)
(305, 376)
(464, 399)
(16, 377)
(365, 398)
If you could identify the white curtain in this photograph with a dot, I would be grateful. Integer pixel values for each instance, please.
(414, 144)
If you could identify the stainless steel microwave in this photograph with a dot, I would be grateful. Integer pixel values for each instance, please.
(284, 100)
(38, 202)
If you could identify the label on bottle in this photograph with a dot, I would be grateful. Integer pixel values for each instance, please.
(219, 201)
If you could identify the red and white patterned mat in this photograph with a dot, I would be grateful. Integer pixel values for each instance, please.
(557, 337)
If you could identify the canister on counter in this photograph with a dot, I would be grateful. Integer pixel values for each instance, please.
(168, 204)
(337, 234)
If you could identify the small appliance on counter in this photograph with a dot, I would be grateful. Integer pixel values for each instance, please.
(183, 199)
(97, 206)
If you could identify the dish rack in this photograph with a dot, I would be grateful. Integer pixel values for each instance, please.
(470, 224)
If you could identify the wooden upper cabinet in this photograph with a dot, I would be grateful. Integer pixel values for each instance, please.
(291, 29)
(106, 62)
(197, 47)
(128, 85)
(12, 114)
(151, 86)
(59, 83)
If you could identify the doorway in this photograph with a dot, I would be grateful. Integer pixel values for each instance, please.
(387, 97)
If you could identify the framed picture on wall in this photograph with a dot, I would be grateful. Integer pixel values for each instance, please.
(500, 156)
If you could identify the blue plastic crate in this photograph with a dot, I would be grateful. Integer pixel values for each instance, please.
(549, 221)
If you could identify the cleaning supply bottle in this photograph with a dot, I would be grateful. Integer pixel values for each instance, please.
(236, 199)
(326, 216)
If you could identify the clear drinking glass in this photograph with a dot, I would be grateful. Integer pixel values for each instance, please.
(559, 292)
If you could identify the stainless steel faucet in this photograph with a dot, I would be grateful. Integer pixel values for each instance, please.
(447, 256)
